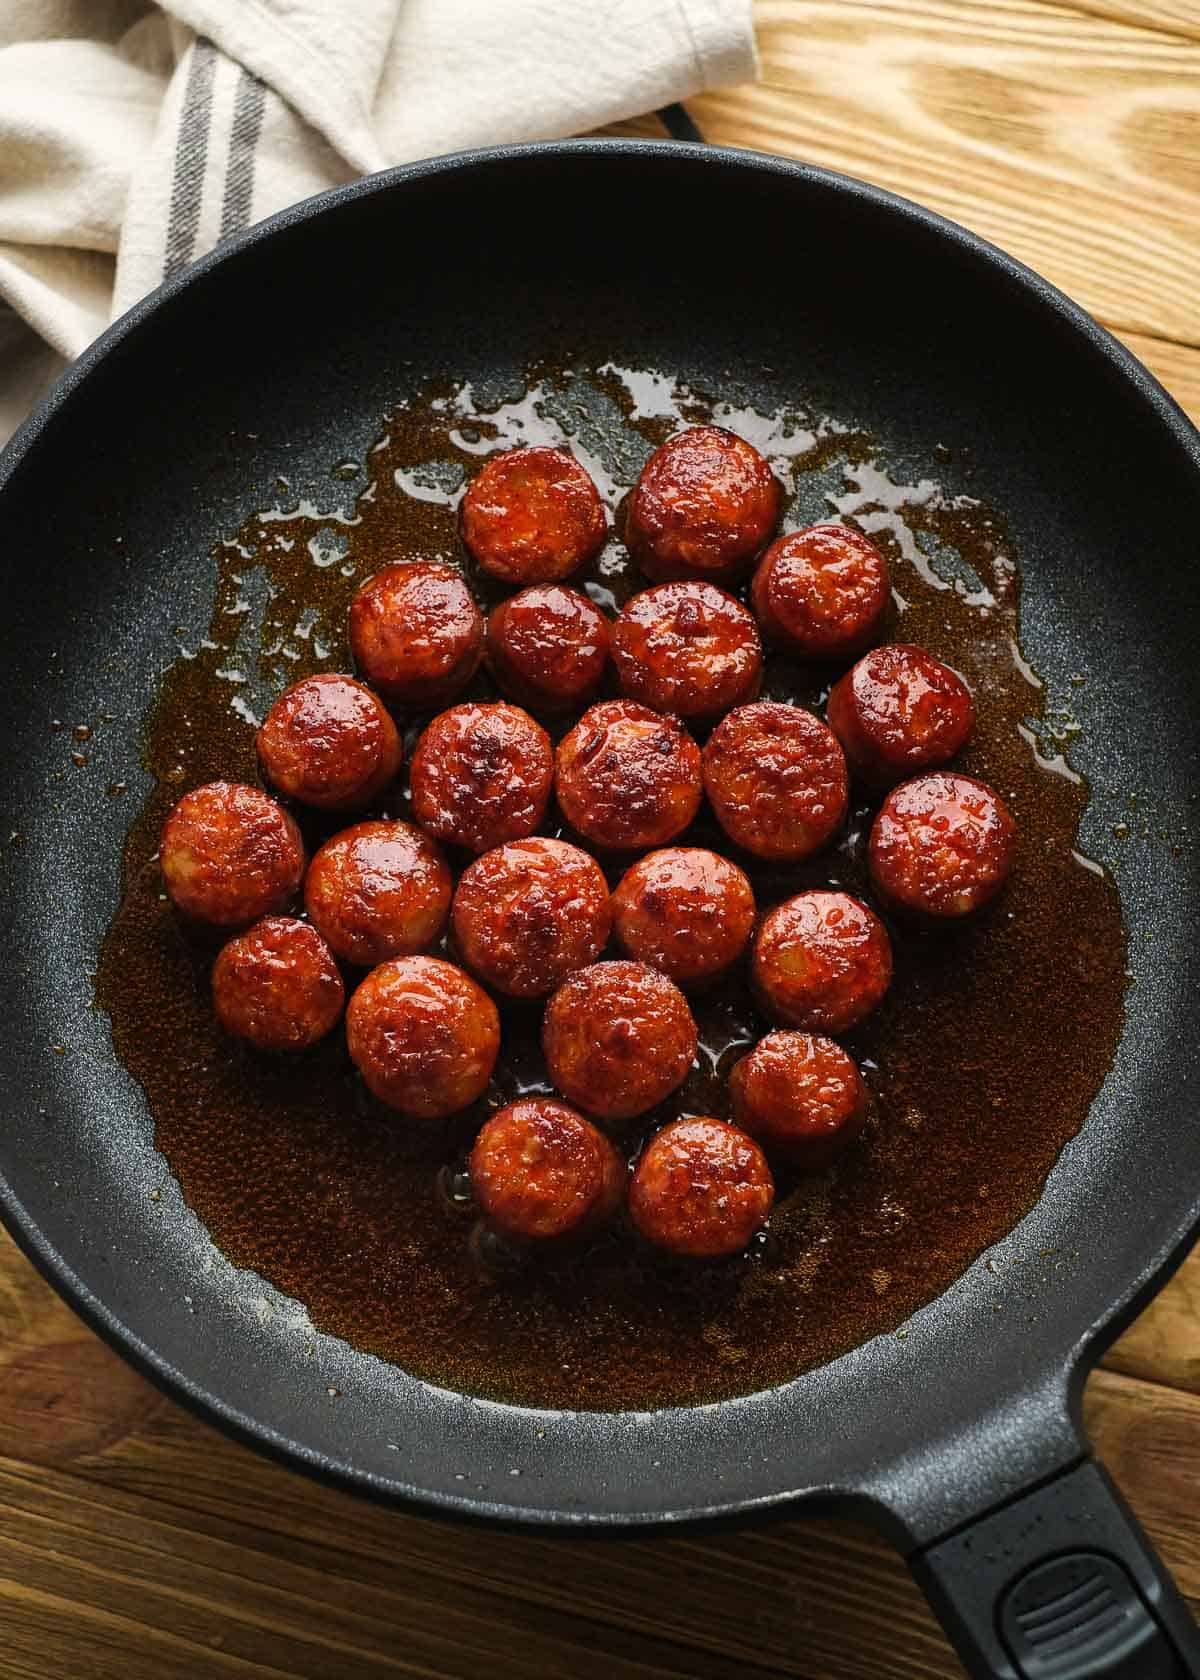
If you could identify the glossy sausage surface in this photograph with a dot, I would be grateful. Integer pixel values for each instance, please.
(540, 1172)
(277, 985)
(481, 775)
(821, 961)
(378, 890)
(547, 648)
(820, 593)
(529, 913)
(801, 1096)
(701, 1189)
(685, 911)
(329, 742)
(705, 504)
(776, 779)
(941, 847)
(416, 634)
(627, 777)
(423, 1035)
(898, 711)
(687, 648)
(229, 854)
(618, 1037)
(533, 515)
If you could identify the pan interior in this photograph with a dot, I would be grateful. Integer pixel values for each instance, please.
(286, 356)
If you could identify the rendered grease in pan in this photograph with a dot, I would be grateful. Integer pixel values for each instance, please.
(982, 1061)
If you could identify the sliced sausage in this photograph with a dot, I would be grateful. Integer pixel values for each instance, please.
(533, 516)
(329, 742)
(801, 1096)
(687, 648)
(685, 911)
(618, 1037)
(705, 504)
(701, 1189)
(229, 854)
(423, 1035)
(627, 777)
(528, 914)
(547, 648)
(540, 1171)
(277, 985)
(941, 847)
(899, 710)
(416, 634)
(776, 778)
(821, 593)
(378, 890)
(481, 775)
(821, 961)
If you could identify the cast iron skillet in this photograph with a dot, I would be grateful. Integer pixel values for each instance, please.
(280, 354)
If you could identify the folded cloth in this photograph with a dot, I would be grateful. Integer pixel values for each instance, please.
(134, 137)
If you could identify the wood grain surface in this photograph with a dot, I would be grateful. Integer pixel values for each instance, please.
(137, 1542)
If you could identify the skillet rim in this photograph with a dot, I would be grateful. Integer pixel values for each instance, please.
(1173, 1244)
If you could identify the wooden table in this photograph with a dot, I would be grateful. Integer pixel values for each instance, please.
(136, 1541)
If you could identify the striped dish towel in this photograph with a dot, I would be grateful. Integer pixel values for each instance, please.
(134, 137)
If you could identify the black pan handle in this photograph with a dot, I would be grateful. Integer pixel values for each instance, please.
(1060, 1584)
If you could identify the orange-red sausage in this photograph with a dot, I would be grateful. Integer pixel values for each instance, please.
(776, 779)
(417, 634)
(801, 1096)
(821, 961)
(277, 985)
(481, 775)
(685, 911)
(687, 648)
(423, 1035)
(701, 1189)
(533, 516)
(328, 741)
(547, 648)
(618, 1037)
(820, 593)
(529, 913)
(627, 777)
(229, 854)
(898, 711)
(378, 890)
(540, 1171)
(941, 847)
(705, 504)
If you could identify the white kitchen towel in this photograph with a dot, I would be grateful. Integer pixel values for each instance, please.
(134, 137)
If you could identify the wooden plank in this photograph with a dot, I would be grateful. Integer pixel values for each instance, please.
(1070, 140)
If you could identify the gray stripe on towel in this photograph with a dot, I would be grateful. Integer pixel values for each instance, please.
(243, 140)
(191, 153)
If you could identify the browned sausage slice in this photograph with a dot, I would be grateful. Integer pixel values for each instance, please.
(821, 961)
(229, 854)
(329, 742)
(941, 847)
(821, 592)
(704, 505)
(277, 985)
(416, 634)
(547, 648)
(533, 516)
(776, 779)
(423, 1035)
(701, 1189)
(687, 648)
(899, 710)
(481, 775)
(378, 890)
(618, 1037)
(685, 911)
(801, 1096)
(540, 1171)
(528, 914)
(627, 777)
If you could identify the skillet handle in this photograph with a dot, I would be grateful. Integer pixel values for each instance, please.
(1060, 1584)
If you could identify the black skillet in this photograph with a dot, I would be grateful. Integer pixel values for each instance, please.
(280, 354)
